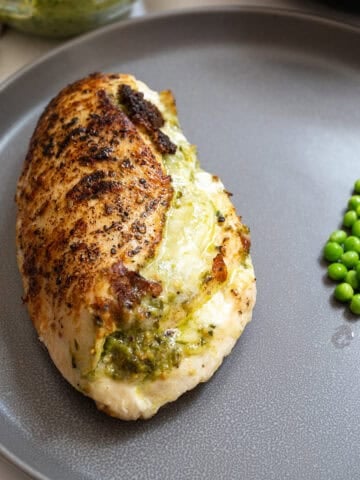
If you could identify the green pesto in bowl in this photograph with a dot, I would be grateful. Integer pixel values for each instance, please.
(62, 18)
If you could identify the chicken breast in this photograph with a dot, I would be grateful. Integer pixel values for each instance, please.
(135, 265)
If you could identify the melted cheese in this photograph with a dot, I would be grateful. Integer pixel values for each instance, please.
(189, 243)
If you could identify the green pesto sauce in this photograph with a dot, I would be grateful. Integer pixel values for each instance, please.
(63, 18)
(137, 354)
(140, 354)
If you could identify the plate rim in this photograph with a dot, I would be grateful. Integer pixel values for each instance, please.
(295, 13)
(317, 17)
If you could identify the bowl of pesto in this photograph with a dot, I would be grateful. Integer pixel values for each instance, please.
(61, 18)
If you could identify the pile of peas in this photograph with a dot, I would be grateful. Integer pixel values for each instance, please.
(343, 251)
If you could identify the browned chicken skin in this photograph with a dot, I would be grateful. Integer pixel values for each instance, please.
(88, 146)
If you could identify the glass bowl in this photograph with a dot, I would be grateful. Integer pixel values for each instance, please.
(61, 18)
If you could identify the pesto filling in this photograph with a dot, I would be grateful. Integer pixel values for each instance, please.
(138, 354)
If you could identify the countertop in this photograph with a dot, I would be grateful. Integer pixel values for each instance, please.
(18, 50)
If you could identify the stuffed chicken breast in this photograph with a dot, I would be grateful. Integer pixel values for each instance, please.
(136, 268)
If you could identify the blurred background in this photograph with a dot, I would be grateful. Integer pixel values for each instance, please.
(43, 18)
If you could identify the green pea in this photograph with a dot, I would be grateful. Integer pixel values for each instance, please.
(355, 304)
(354, 202)
(343, 292)
(333, 251)
(357, 210)
(356, 228)
(357, 186)
(352, 243)
(351, 279)
(350, 259)
(350, 217)
(338, 236)
(337, 271)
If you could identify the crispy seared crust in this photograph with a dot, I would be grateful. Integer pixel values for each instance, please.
(93, 192)
(92, 204)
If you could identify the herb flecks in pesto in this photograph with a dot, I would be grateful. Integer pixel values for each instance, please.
(136, 353)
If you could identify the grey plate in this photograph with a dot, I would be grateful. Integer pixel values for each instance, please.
(272, 99)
